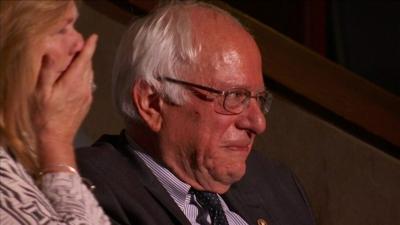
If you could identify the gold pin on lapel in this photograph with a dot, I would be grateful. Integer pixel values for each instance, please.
(262, 221)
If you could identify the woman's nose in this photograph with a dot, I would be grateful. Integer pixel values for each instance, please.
(77, 42)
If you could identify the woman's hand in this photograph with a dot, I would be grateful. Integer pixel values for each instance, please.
(60, 103)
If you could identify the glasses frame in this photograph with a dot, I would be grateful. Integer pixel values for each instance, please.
(224, 93)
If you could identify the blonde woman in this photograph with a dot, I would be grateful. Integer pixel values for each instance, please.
(45, 92)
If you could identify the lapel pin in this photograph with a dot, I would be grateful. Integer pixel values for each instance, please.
(261, 221)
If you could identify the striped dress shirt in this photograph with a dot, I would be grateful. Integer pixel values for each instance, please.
(179, 191)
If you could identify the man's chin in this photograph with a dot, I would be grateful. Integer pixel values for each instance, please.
(216, 187)
(223, 182)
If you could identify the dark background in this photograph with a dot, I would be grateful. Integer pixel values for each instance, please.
(363, 36)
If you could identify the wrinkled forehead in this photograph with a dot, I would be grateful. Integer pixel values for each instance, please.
(227, 49)
(214, 28)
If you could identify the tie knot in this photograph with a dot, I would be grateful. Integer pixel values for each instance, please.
(207, 199)
(210, 201)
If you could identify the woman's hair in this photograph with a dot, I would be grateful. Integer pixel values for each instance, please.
(23, 25)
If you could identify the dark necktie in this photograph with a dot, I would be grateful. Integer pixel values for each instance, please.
(210, 201)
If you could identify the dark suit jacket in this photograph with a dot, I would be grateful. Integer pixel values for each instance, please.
(131, 194)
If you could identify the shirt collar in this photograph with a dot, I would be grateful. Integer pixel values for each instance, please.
(177, 189)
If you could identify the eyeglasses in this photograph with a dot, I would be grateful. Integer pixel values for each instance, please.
(231, 101)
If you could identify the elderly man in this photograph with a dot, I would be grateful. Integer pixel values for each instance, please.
(189, 85)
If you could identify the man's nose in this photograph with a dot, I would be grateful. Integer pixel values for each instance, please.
(252, 118)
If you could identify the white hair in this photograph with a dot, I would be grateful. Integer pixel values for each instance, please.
(153, 47)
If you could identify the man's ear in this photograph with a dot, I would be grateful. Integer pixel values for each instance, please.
(147, 101)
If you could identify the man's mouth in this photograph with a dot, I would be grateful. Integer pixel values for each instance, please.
(239, 147)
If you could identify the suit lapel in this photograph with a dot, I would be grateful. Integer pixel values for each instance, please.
(162, 196)
(248, 204)
(244, 199)
(152, 185)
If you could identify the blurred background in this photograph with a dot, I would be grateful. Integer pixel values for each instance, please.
(363, 36)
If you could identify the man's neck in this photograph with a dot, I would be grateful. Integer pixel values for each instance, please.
(144, 137)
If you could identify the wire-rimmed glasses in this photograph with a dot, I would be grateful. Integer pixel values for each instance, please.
(231, 101)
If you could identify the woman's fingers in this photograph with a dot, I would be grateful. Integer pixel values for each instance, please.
(47, 74)
(77, 71)
(74, 74)
(63, 100)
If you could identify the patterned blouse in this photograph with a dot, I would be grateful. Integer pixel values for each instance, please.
(62, 198)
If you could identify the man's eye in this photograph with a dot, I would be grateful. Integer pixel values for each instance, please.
(235, 97)
(236, 94)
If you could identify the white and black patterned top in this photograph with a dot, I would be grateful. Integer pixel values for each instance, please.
(61, 199)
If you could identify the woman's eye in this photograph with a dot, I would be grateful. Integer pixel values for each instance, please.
(62, 31)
